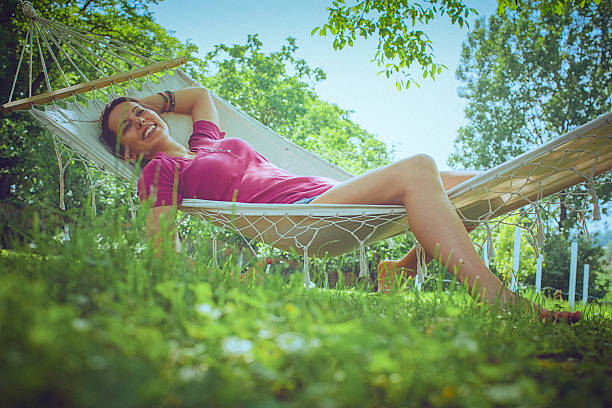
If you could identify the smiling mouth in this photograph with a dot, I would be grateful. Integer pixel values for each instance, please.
(148, 131)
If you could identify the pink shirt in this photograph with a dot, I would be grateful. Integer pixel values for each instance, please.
(223, 170)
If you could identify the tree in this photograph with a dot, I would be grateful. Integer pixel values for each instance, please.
(397, 24)
(545, 7)
(29, 172)
(328, 130)
(529, 77)
(556, 265)
(277, 89)
(604, 280)
(503, 241)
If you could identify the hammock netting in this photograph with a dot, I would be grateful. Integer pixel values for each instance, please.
(533, 182)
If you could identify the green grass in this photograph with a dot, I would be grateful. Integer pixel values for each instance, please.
(97, 321)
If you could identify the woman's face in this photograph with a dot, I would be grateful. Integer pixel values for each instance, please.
(139, 130)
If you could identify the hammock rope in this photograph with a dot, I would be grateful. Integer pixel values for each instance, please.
(306, 229)
(61, 169)
(59, 34)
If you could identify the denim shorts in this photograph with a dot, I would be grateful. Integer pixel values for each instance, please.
(305, 200)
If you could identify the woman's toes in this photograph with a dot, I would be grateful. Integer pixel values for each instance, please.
(567, 317)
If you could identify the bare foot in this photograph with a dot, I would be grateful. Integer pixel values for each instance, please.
(567, 317)
(390, 272)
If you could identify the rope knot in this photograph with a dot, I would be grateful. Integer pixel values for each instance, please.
(596, 213)
(28, 10)
(421, 263)
(489, 241)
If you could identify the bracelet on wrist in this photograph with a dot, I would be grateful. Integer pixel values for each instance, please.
(164, 107)
(171, 100)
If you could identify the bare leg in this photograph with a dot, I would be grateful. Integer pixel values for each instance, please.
(416, 184)
(389, 269)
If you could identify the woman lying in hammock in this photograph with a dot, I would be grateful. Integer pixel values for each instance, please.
(215, 168)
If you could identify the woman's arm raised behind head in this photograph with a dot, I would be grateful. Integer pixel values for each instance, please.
(195, 102)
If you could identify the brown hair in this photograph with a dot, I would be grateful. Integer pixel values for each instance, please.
(108, 137)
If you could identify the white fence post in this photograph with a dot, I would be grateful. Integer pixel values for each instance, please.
(515, 258)
(538, 282)
(485, 255)
(585, 284)
(572, 277)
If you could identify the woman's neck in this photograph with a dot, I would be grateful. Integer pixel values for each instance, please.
(176, 149)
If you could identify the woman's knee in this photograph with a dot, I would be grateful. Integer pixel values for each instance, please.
(412, 171)
(419, 163)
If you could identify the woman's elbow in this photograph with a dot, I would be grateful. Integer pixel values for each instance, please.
(202, 92)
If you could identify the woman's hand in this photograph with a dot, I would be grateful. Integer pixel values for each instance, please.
(161, 226)
(153, 102)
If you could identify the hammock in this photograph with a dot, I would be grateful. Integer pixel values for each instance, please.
(316, 230)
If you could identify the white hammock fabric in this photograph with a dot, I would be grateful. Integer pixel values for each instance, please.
(77, 125)
(314, 229)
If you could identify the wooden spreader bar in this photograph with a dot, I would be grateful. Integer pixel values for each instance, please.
(27, 103)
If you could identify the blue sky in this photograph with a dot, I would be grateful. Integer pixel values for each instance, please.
(417, 120)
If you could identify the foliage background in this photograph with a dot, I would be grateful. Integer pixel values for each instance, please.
(513, 66)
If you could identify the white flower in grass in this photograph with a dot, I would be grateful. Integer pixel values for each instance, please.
(265, 334)
(236, 346)
(290, 342)
(97, 362)
(81, 325)
(395, 378)
(62, 236)
(208, 310)
(314, 343)
(505, 394)
(465, 342)
(189, 373)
